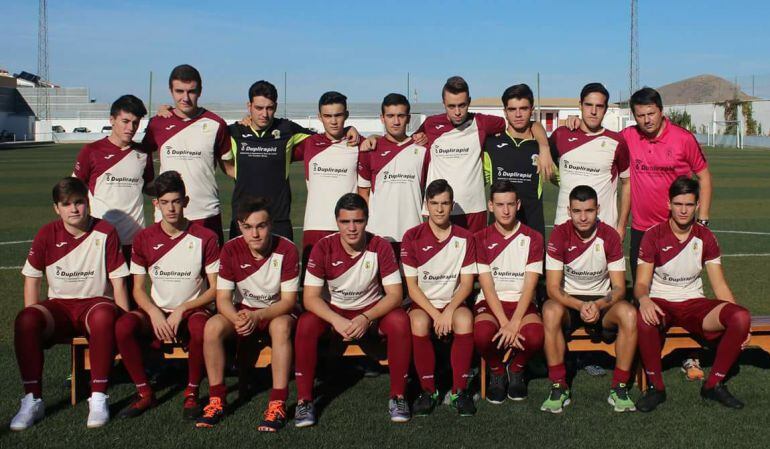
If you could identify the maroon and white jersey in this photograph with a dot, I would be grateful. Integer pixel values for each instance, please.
(192, 147)
(76, 267)
(354, 282)
(396, 175)
(331, 170)
(678, 265)
(258, 283)
(456, 155)
(586, 264)
(438, 265)
(177, 266)
(595, 160)
(507, 258)
(115, 178)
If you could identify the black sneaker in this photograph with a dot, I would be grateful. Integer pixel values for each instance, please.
(496, 388)
(463, 402)
(425, 403)
(650, 399)
(720, 394)
(304, 416)
(517, 387)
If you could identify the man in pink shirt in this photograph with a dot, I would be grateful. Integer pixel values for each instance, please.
(660, 151)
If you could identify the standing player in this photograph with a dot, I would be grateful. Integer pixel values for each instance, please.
(181, 259)
(262, 149)
(510, 261)
(392, 178)
(670, 293)
(593, 156)
(364, 295)
(439, 260)
(513, 156)
(77, 255)
(331, 170)
(456, 140)
(191, 141)
(256, 297)
(117, 171)
(585, 277)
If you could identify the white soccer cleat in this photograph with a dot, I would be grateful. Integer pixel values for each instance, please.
(31, 411)
(98, 410)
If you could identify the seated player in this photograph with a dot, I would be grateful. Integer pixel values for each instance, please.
(117, 171)
(670, 293)
(352, 289)
(256, 298)
(438, 258)
(181, 258)
(509, 256)
(77, 254)
(585, 278)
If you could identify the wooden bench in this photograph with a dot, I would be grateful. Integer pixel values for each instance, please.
(676, 338)
(81, 363)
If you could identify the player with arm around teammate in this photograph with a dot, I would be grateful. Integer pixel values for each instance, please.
(81, 260)
(585, 278)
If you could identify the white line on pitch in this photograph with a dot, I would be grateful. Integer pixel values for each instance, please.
(15, 242)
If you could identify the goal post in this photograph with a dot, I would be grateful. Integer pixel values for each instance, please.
(725, 133)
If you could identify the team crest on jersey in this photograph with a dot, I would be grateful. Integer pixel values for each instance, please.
(367, 265)
(275, 263)
(190, 245)
(457, 244)
(695, 246)
(535, 158)
(97, 242)
(415, 151)
(597, 247)
(205, 128)
(276, 133)
(522, 243)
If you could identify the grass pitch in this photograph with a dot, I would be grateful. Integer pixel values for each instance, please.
(354, 409)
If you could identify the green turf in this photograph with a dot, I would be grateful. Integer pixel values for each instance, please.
(357, 415)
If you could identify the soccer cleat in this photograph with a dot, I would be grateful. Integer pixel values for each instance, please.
(557, 399)
(191, 408)
(517, 387)
(212, 414)
(463, 402)
(650, 399)
(398, 409)
(274, 417)
(619, 398)
(31, 411)
(496, 390)
(98, 410)
(692, 370)
(425, 403)
(305, 414)
(720, 394)
(138, 406)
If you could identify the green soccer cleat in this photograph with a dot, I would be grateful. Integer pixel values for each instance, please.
(557, 399)
(619, 398)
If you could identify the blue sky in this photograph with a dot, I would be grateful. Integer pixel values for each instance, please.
(365, 49)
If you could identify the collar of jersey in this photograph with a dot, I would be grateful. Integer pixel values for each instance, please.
(514, 139)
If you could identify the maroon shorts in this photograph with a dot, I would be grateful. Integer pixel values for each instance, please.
(473, 222)
(213, 223)
(508, 308)
(264, 325)
(69, 315)
(182, 331)
(689, 314)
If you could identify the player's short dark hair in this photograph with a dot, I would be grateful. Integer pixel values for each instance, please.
(598, 88)
(502, 186)
(519, 92)
(69, 188)
(583, 193)
(250, 204)
(265, 89)
(333, 97)
(185, 73)
(683, 186)
(351, 201)
(129, 104)
(455, 85)
(437, 187)
(646, 96)
(395, 100)
(168, 182)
